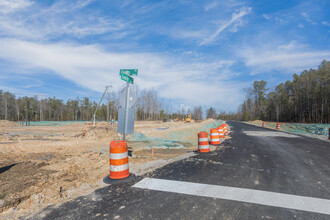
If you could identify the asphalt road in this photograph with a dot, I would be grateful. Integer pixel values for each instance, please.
(271, 164)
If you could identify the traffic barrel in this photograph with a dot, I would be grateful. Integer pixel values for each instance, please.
(221, 131)
(118, 160)
(214, 136)
(203, 142)
(278, 126)
(225, 129)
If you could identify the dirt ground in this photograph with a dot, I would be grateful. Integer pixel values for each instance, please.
(45, 165)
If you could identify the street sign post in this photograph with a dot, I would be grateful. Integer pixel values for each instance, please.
(131, 72)
(130, 121)
(127, 78)
(129, 111)
(122, 98)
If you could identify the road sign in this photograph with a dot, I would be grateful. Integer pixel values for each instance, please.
(131, 72)
(131, 98)
(127, 78)
(130, 121)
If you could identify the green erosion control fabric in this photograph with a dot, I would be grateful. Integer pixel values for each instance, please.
(175, 139)
(300, 128)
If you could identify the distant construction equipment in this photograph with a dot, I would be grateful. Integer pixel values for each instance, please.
(184, 119)
(188, 119)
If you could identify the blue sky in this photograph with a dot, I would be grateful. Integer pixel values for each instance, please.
(192, 52)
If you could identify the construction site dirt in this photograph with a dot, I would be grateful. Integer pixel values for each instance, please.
(46, 165)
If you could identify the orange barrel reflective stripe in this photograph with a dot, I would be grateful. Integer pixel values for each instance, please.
(203, 142)
(214, 136)
(221, 132)
(278, 126)
(118, 160)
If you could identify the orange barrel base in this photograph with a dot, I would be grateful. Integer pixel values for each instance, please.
(118, 160)
(278, 126)
(119, 175)
(203, 142)
(215, 140)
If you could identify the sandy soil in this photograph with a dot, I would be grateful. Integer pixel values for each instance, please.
(45, 165)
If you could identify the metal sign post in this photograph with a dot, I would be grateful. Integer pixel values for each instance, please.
(106, 88)
(126, 110)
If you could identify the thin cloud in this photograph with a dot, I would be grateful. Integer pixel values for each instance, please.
(235, 17)
(9, 6)
(292, 45)
(38, 23)
(210, 6)
(92, 68)
(266, 17)
(306, 16)
(290, 58)
(63, 6)
(326, 23)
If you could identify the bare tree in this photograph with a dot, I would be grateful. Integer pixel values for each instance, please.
(197, 113)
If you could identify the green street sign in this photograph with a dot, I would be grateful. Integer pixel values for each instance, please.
(127, 78)
(131, 72)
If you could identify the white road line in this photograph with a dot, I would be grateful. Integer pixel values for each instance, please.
(269, 134)
(282, 200)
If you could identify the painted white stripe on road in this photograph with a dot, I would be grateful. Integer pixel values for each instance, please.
(282, 200)
(269, 134)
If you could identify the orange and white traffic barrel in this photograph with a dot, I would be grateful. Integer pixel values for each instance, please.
(221, 131)
(278, 126)
(118, 160)
(225, 129)
(203, 142)
(215, 140)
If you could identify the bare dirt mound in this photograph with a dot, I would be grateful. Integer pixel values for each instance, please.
(5, 123)
(257, 121)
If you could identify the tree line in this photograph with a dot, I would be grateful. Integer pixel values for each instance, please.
(305, 98)
(38, 108)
